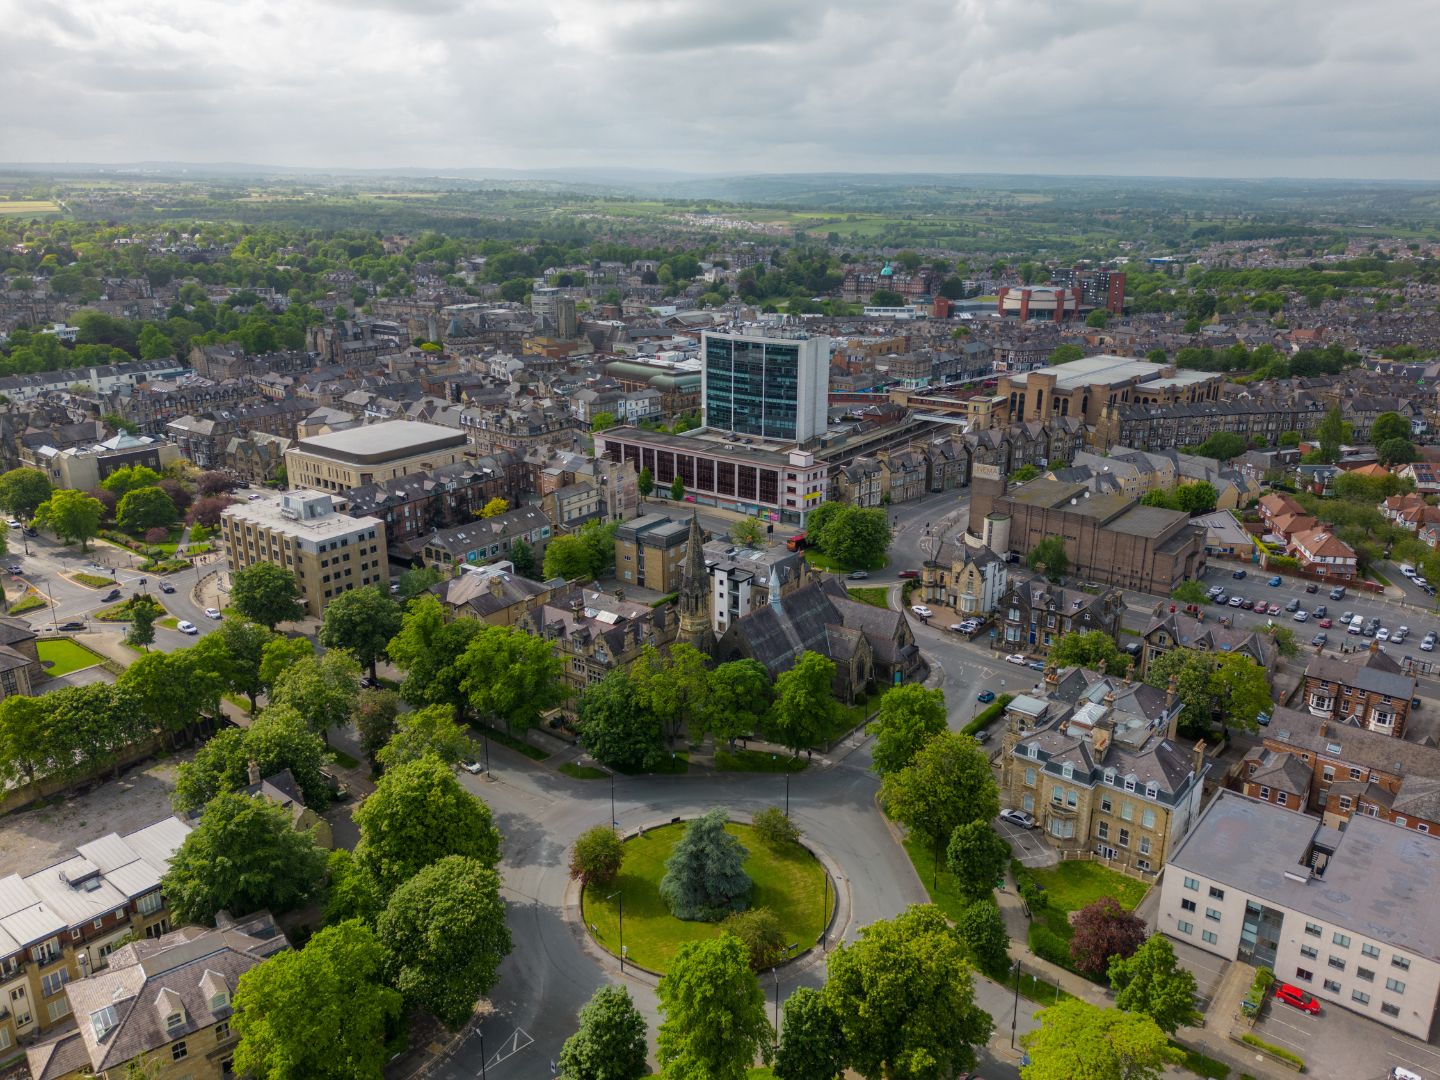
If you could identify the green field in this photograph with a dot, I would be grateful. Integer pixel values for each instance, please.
(60, 656)
(874, 595)
(22, 207)
(790, 883)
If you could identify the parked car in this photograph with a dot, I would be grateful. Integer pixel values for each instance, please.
(1273, 609)
(1274, 582)
(187, 627)
(1407, 569)
(252, 497)
(1382, 634)
(959, 628)
(985, 696)
(1036, 665)
(1428, 643)
(983, 735)
(1301, 616)
(212, 613)
(921, 610)
(111, 596)
(1400, 635)
(15, 568)
(858, 575)
(13, 523)
(1017, 659)
(1019, 817)
(1320, 611)
(71, 626)
(474, 768)
(1293, 995)
(1292, 605)
(1237, 601)
(1214, 591)
(1325, 624)
(166, 587)
(1312, 588)
(1248, 604)
(1320, 638)
(30, 531)
(1337, 593)
(908, 574)
(1237, 574)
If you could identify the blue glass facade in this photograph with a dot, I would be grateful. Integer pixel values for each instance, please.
(753, 387)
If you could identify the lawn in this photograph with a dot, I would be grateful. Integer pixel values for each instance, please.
(858, 713)
(169, 622)
(94, 581)
(757, 761)
(821, 561)
(24, 207)
(874, 595)
(583, 772)
(60, 656)
(1071, 885)
(31, 602)
(790, 883)
(945, 895)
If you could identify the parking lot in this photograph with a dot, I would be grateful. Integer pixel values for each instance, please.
(1340, 1043)
(1029, 845)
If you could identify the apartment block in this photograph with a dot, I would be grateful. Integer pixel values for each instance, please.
(328, 552)
(650, 552)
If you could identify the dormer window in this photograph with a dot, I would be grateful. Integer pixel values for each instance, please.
(1109, 776)
(1152, 790)
(1034, 750)
(175, 1020)
(1067, 771)
(1129, 783)
(102, 1020)
(219, 1000)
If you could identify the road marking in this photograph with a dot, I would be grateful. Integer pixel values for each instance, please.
(1415, 1047)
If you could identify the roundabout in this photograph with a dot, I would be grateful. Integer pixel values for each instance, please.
(629, 919)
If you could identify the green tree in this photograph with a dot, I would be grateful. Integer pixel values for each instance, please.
(737, 697)
(1289, 438)
(495, 507)
(130, 478)
(1285, 642)
(714, 1012)
(982, 928)
(71, 515)
(1065, 354)
(1098, 319)
(858, 536)
(1190, 592)
(510, 676)
(748, 532)
(1330, 435)
(909, 716)
(646, 483)
(428, 650)
(239, 665)
(417, 815)
(145, 508)
(1396, 452)
(905, 999)
(1197, 498)
(266, 594)
(374, 719)
(804, 709)
(762, 933)
(610, 1043)
(596, 857)
(444, 934)
(242, 856)
(616, 728)
(362, 621)
(704, 880)
(1228, 688)
(1387, 426)
(22, 491)
(677, 489)
(812, 1045)
(154, 345)
(775, 829)
(946, 785)
(172, 689)
(143, 611)
(1077, 1039)
(322, 689)
(601, 421)
(418, 581)
(1151, 981)
(279, 655)
(1024, 474)
(28, 744)
(886, 298)
(977, 856)
(522, 557)
(1223, 445)
(429, 731)
(1050, 554)
(567, 557)
(1093, 649)
(318, 1013)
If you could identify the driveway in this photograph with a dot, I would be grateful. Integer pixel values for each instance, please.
(1029, 845)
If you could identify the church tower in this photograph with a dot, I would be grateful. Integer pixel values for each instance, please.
(695, 593)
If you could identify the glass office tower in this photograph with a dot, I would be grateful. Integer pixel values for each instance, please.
(773, 387)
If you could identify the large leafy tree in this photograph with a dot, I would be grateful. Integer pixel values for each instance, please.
(804, 708)
(130, 478)
(444, 932)
(736, 701)
(22, 491)
(1077, 1039)
(1330, 434)
(982, 928)
(1222, 446)
(510, 676)
(242, 856)
(714, 1011)
(245, 643)
(145, 508)
(596, 857)
(909, 716)
(1093, 649)
(279, 654)
(616, 728)
(1152, 982)
(361, 621)
(267, 594)
(143, 610)
(318, 1013)
(428, 650)
(812, 1045)
(948, 784)
(673, 686)
(610, 1044)
(1049, 553)
(905, 999)
(277, 739)
(173, 689)
(977, 856)
(1104, 931)
(417, 815)
(28, 747)
(567, 557)
(322, 689)
(375, 714)
(1388, 425)
(71, 515)
(858, 536)
(91, 725)
(1229, 688)
(429, 731)
(704, 877)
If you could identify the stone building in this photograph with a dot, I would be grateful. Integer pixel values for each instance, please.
(970, 580)
(594, 633)
(1034, 613)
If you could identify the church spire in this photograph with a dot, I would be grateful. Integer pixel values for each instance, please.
(695, 591)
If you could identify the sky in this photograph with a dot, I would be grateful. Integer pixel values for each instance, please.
(1297, 88)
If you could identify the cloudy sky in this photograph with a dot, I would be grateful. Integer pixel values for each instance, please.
(1173, 87)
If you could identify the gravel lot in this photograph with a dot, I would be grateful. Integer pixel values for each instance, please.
(35, 838)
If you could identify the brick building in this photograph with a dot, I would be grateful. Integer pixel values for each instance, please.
(1369, 690)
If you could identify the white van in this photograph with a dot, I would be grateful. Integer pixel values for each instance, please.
(1400, 1073)
(1356, 625)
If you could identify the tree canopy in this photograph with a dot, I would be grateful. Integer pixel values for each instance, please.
(804, 708)
(947, 784)
(1104, 931)
(1151, 981)
(909, 716)
(71, 515)
(1050, 554)
(714, 1013)
(1077, 1039)
(266, 594)
(1093, 649)
(610, 1043)
(361, 621)
(704, 876)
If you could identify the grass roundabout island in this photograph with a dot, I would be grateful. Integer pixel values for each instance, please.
(788, 880)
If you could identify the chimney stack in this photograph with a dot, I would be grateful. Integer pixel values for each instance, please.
(252, 770)
(1197, 760)
(1324, 727)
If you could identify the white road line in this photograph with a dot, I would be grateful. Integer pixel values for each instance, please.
(1407, 1061)
(1416, 1047)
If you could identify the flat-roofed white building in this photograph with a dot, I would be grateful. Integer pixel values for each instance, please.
(1347, 916)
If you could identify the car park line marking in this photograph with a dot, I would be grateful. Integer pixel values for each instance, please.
(1407, 1061)
(1415, 1047)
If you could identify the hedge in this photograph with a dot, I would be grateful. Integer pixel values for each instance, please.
(1030, 890)
(990, 712)
(1273, 1050)
(1048, 945)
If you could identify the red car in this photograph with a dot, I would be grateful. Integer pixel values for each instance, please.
(908, 574)
(1325, 624)
(1293, 995)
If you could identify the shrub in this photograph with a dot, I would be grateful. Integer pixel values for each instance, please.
(775, 829)
(987, 714)
(597, 855)
(1048, 945)
(157, 535)
(1270, 1048)
(762, 934)
(1030, 890)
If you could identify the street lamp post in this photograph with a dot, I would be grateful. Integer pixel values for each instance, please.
(824, 909)
(787, 793)
(1015, 1011)
(486, 736)
(612, 896)
(614, 821)
(482, 1054)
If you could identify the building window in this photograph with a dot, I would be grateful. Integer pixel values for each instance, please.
(1187, 905)
(54, 982)
(1264, 793)
(1304, 975)
(1029, 777)
(1103, 831)
(1314, 929)
(1309, 952)
(1388, 1009)
(1216, 894)
(1213, 914)
(178, 1051)
(222, 1031)
(1396, 985)
(1332, 986)
(1337, 963)
(1208, 937)
(149, 903)
(1343, 940)
(1281, 798)
(1127, 811)
(1400, 962)
(1372, 951)
(1365, 974)
(1124, 838)
(1360, 997)
(1144, 845)
(58, 1008)
(1129, 783)
(1192, 884)
(1106, 806)
(1067, 771)
(1147, 818)
(1185, 927)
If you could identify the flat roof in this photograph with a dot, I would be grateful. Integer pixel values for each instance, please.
(711, 443)
(1380, 882)
(1151, 521)
(1107, 368)
(376, 443)
(267, 514)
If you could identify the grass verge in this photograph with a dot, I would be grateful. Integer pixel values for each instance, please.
(240, 701)
(1072, 885)
(94, 581)
(583, 772)
(169, 622)
(757, 761)
(821, 561)
(1273, 1050)
(60, 656)
(30, 602)
(874, 595)
(790, 882)
(1201, 1064)
(520, 746)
